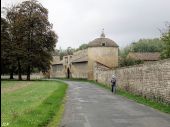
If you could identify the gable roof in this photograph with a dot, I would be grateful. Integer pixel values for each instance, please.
(80, 59)
(145, 56)
(102, 65)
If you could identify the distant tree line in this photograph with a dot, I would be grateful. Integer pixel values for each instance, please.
(161, 45)
(27, 39)
(143, 45)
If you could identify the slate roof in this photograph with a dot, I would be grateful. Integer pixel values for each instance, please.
(145, 56)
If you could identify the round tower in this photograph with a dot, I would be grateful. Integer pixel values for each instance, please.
(104, 51)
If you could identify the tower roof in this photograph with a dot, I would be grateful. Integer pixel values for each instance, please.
(102, 41)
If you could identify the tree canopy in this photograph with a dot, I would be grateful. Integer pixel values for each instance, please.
(143, 45)
(32, 37)
(166, 39)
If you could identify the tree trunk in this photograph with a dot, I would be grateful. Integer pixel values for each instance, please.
(12, 74)
(28, 73)
(19, 70)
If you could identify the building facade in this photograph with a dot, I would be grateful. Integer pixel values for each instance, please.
(101, 50)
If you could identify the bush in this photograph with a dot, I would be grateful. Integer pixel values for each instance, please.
(129, 62)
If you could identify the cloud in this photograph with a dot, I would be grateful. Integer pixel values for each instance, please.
(80, 21)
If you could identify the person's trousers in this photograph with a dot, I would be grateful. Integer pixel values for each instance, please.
(113, 89)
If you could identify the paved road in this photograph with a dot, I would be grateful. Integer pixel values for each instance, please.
(92, 106)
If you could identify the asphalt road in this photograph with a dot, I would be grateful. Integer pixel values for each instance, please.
(92, 106)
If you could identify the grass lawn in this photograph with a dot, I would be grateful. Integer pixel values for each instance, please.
(38, 103)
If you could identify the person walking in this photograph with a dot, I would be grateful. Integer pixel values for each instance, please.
(113, 82)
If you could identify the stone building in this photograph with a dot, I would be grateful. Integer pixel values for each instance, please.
(101, 50)
(144, 56)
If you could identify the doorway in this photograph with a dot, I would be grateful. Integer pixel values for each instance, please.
(68, 73)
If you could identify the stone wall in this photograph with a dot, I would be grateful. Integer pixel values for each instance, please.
(79, 70)
(57, 71)
(151, 80)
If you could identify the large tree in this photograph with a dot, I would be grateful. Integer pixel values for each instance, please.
(39, 39)
(17, 49)
(5, 46)
(31, 37)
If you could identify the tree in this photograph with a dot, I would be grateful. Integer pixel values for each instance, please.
(16, 23)
(143, 45)
(83, 46)
(125, 51)
(38, 38)
(5, 46)
(166, 40)
(31, 37)
(124, 61)
(70, 51)
(148, 45)
(65, 52)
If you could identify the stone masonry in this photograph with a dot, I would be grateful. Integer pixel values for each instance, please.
(151, 80)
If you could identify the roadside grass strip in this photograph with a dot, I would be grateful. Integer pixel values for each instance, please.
(151, 103)
(34, 106)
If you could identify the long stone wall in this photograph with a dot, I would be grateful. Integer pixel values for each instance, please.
(151, 80)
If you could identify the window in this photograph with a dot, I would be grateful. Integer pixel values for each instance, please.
(103, 44)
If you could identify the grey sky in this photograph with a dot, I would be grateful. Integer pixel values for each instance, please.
(80, 21)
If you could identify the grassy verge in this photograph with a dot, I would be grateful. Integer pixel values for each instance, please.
(159, 106)
(38, 104)
(139, 99)
(55, 122)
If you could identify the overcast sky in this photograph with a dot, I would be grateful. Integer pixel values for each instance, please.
(124, 21)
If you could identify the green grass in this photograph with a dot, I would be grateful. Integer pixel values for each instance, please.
(34, 105)
(159, 106)
(139, 99)
(5, 84)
